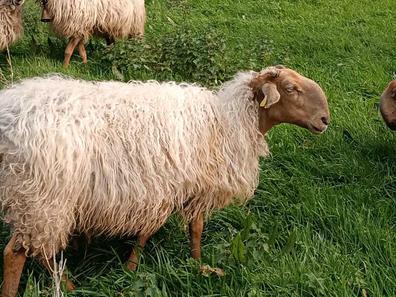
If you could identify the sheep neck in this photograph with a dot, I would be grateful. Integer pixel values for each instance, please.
(237, 102)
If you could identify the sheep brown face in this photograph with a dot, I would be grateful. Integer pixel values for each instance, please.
(388, 105)
(288, 97)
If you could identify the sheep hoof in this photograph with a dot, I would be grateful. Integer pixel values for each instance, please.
(132, 266)
(206, 270)
(70, 287)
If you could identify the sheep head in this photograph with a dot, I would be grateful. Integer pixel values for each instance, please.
(388, 105)
(11, 2)
(12, 6)
(285, 96)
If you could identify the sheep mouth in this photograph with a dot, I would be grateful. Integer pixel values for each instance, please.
(317, 130)
(392, 125)
(389, 118)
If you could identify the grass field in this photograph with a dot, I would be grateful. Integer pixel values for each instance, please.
(322, 222)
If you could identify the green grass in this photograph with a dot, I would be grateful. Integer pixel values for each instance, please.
(322, 222)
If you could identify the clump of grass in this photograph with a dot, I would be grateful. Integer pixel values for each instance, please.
(182, 55)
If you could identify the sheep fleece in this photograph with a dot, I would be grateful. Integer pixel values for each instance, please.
(11, 27)
(118, 158)
(82, 18)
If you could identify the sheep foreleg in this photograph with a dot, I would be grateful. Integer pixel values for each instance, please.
(49, 264)
(82, 52)
(13, 266)
(69, 50)
(196, 228)
(134, 257)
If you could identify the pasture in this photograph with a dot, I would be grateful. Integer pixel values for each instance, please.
(322, 222)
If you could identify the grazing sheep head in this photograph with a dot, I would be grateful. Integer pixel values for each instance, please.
(388, 105)
(11, 3)
(11, 27)
(288, 97)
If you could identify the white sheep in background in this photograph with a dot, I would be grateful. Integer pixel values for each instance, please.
(11, 27)
(78, 20)
(119, 158)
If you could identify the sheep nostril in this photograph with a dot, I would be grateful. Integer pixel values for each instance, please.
(325, 120)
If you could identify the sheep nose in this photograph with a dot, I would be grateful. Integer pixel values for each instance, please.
(325, 120)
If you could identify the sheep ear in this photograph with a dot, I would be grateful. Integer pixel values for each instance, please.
(271, 95)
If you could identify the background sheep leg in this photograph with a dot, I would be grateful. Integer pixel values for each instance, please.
(69, 50)
(13, 266)
(196, 228)
(109, 40)
(82, 52)
(134, 257)
(49, 264)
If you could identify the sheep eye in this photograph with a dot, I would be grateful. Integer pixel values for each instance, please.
(290, 89)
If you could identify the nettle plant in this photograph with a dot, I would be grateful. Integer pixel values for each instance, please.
(182, 55)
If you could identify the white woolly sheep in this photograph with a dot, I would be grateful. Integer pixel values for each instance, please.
(388, 105)
(78, 20)
(11, 27)
(119, 158)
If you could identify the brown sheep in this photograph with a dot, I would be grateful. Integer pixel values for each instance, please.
(388, 105)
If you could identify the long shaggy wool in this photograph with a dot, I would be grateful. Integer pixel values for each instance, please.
(83, 18)
(11, 27)
(119, 158)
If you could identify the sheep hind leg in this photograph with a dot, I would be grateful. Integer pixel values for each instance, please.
(82, 52)
(49, 264)
(14, 260)
(69, 50)
(133, 260)
(196, 228)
